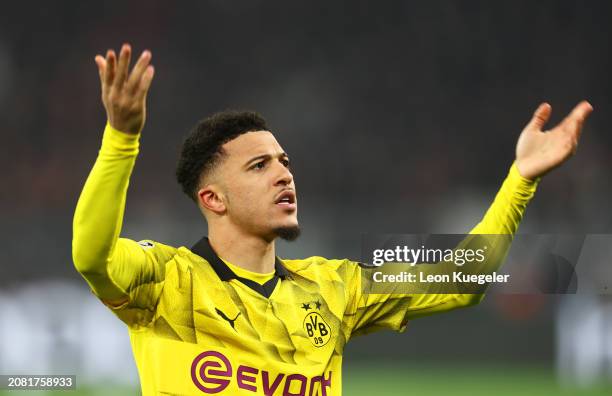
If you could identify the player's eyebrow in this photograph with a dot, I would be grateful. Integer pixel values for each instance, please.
(266, 157)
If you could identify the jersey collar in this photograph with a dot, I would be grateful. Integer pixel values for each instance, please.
(203, 249)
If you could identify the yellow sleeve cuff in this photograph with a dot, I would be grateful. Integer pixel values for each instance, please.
(519, 183)
(118, 142)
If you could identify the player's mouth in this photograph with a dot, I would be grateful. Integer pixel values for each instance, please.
(286, 200)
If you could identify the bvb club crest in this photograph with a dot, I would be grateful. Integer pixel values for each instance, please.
(316, 328)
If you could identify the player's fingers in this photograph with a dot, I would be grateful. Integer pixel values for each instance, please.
(111, 61)
(145, 82)
(540, 117)
(123, 65)
(572, 124)
(138, 71)
(579, 114)
(101, 63)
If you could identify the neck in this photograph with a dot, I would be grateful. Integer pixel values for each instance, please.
(244, 250)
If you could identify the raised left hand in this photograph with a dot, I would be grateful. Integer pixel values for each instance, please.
(124, 94)
(538, 152)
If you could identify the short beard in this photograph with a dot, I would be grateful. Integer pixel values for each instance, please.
(290, 233)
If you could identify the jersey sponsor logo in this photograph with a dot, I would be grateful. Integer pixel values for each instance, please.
(317, 329)
(209, 362)
(146, 244)
(212, 372)
(224, 316)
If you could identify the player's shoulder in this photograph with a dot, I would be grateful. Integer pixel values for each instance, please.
(151, 247)
(316, 266)
(321, 263)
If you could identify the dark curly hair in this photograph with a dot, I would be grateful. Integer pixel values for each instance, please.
(202, 150)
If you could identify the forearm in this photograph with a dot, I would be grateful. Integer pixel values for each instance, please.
(506, 211)
(99, 212)
(495, 231)
(494, 234)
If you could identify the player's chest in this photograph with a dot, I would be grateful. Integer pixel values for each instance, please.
(296, 323)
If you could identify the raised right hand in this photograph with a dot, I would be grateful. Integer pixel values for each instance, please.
(124, 96)
(538, 152)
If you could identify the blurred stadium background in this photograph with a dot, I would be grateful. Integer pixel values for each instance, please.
(399, 117)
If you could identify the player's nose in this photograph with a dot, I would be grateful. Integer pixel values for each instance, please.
(284, 175)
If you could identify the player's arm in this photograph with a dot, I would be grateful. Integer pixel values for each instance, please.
(108, 263)
(537, 153)
(389, 309)
(495, 231)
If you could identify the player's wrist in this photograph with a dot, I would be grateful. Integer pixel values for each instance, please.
(129, 128)
(523, 185)
(522, 175)
(117, 140)
(122, 132)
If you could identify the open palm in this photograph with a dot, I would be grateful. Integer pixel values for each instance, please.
(538, 152)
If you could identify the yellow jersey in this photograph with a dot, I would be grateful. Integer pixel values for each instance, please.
(197, 327)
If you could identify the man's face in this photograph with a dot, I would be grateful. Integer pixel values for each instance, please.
(257, 185)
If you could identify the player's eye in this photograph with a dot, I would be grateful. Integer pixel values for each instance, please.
(286, 162)
(259, 165)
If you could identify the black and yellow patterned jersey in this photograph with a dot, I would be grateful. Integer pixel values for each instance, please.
(197, 327)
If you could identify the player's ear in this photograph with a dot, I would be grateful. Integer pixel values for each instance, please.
(210, 197)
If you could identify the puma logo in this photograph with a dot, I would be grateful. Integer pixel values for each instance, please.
(224, 316)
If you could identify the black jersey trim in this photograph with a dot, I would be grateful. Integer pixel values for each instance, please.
(203, 249)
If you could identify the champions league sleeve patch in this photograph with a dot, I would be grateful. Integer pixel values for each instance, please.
(146, 244)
